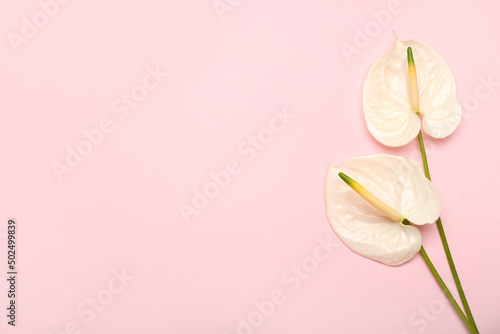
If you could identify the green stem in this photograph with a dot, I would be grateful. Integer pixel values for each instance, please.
(445, 243)
(424, 156)
(469, 325)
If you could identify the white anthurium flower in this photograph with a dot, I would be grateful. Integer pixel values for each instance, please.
(386, 95)
(369, 197)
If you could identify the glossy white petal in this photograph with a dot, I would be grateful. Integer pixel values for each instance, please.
(386, 101)
(400, 184)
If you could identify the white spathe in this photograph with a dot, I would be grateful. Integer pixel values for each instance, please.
(386, 99)
(396, 181)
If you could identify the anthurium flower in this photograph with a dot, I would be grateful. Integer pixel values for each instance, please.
(389, 112)
(367, 199)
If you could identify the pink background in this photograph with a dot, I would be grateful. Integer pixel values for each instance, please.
(119, 209)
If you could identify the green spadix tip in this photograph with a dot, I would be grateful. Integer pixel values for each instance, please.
(346, 178)
(409, 55)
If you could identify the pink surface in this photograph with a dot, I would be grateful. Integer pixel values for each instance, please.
(103, 247)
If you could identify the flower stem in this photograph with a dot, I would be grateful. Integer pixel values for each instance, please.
(445, 243)
(424, 156)
(466, 321)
